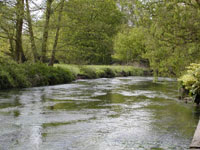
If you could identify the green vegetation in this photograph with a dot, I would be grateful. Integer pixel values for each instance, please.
(104, 71)
(190, 82)
(13, 75)
(129, 45)
(91, 26)
(161, 35)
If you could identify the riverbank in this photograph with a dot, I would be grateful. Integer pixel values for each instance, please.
(103, 71)
(13, 75)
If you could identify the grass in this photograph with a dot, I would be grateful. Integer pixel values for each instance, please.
(13, 75)
(103, 71)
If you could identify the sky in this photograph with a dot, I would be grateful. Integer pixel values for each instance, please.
(38, 2)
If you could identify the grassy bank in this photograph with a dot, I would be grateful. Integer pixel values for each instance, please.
(13, 75)
(103, 71)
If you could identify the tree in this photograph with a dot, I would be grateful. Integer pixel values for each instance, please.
(62, 2)
(30, 29)
(19, 56)
(173, 35)
(89, 30)
(130, 10)
(46, 30)
(7, 30)
(129, 45)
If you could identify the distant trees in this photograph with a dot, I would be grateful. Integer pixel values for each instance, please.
(171, 30)
(129, 45)
(173, 40)
(165, 34)
(89, 30)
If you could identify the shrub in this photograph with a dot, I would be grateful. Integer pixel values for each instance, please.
(59, 76)
(40, 74)
(17, 72)
(109, 73)
(190, 81)
(13, 75)
(6, 80)
(100, 73)
(88, 72)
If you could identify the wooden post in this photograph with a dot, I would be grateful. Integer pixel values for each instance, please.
(196, 139)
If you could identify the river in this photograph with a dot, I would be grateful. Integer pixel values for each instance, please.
(126, 113)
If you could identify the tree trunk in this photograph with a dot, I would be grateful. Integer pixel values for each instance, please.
(46, 30)
(19, 54)
(57, 34)
(30, 28)
(11, 46)
(198, 2)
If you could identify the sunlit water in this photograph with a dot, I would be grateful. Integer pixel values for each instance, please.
(130, 113)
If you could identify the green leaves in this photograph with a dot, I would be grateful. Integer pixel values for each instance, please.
(90, 28)
(191, 80)
(129, 46)
(172, 42)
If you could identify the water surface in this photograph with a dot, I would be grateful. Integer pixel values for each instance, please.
(131, 113)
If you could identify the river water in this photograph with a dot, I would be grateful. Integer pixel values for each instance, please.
(131, 113)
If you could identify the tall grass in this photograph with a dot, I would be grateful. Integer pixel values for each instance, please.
(103, 71)
(13, 75)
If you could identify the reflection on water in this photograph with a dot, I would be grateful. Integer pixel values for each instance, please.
(130, 113)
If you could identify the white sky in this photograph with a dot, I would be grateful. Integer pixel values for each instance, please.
(38, 2)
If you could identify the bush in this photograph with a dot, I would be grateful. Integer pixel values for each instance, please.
(13, 75)
(40, 74)
(88, 72)
(100, 73)
(190, 81)
(59, 76)
(6, 80)
(109, 73)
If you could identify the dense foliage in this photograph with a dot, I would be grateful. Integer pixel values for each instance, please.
(190, 81)
(104, 71)
(91, 26)
(162, 34)
(129, 45)
(173, 39)
(13, 75)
